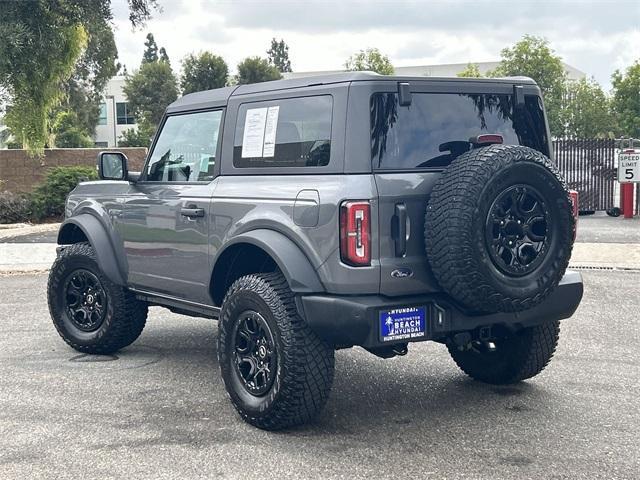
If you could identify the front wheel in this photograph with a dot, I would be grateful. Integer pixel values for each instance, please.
(509, 357)
(277, 372)
(91, 313)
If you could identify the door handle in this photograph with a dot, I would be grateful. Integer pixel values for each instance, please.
(399, 229)
(192, 212)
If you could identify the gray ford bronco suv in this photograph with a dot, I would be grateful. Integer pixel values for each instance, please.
(314, 214)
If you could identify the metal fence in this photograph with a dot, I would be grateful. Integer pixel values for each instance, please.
(588, 167)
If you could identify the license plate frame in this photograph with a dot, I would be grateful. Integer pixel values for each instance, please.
(402, 324)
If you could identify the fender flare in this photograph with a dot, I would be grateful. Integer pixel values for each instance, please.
(99, 239)
(291, 260)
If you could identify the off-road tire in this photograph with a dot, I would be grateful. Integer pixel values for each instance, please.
(455, 228)
(125, 316)
(305, 363)
(517, 356)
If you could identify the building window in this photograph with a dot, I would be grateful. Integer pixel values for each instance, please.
(123, 115)
(102, 117)
(100, 144)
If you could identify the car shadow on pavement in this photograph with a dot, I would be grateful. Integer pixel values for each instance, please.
(421, 390)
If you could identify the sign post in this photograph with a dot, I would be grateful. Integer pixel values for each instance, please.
(628, 176)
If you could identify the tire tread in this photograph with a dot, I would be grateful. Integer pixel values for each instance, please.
(309, 368)
(129, 314)
(536, 347)
(450, 215)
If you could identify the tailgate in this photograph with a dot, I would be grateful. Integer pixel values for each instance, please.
(402, 205)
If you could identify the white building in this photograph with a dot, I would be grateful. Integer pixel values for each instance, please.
(444, 70)
(115, 116)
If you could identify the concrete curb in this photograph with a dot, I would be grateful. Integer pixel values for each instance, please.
(606, 255)
(16, 258)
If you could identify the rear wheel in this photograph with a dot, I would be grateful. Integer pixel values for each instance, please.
(509, 357)
(277, 372)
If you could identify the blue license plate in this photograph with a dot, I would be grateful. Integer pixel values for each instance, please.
(404, 323)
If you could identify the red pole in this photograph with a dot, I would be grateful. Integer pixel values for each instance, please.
(626, 190)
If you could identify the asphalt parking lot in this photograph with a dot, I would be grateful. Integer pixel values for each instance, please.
(158, 409)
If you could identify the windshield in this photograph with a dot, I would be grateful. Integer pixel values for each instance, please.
(436, 127)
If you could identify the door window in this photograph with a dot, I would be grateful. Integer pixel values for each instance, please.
(186, 148)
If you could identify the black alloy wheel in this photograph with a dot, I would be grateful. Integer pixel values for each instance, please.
(278, 373)
(499, 229)
(255, 357)
(86, 300)
(90, 312)
(516, 230)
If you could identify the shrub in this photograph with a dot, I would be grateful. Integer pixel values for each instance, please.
(14, 208)
(47, 200)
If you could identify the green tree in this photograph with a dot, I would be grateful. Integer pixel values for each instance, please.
(33, 76)
(41, 43)
(150, 90)
(203, 71)
(532, 57)
(470, 71)
(626, 100)
(137, 137)
(83, 91)
(256, 70)
(163, 56)
(69, 132)
(279, 55)
(370, 59)
(150, 50)
(586, 112)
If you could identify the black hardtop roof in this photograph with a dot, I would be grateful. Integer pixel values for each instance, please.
(220, 96)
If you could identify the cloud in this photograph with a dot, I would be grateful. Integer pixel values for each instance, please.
(334, 16)
(594, 36)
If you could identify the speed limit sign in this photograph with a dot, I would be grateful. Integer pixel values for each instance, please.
(629, 167)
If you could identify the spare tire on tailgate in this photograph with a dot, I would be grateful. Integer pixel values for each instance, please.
(499, 228)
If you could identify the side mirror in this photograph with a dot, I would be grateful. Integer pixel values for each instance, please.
(112, 166)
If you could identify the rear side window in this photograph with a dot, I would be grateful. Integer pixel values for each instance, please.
(294, 132)
(186, 148)
(436, 127)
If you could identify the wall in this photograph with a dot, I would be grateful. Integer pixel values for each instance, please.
(20, 173)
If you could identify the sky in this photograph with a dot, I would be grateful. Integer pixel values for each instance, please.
(596, 37)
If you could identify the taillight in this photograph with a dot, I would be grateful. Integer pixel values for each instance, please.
(355, 233)
(574, 209)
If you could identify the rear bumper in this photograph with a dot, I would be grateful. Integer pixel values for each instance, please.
(354, 320)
